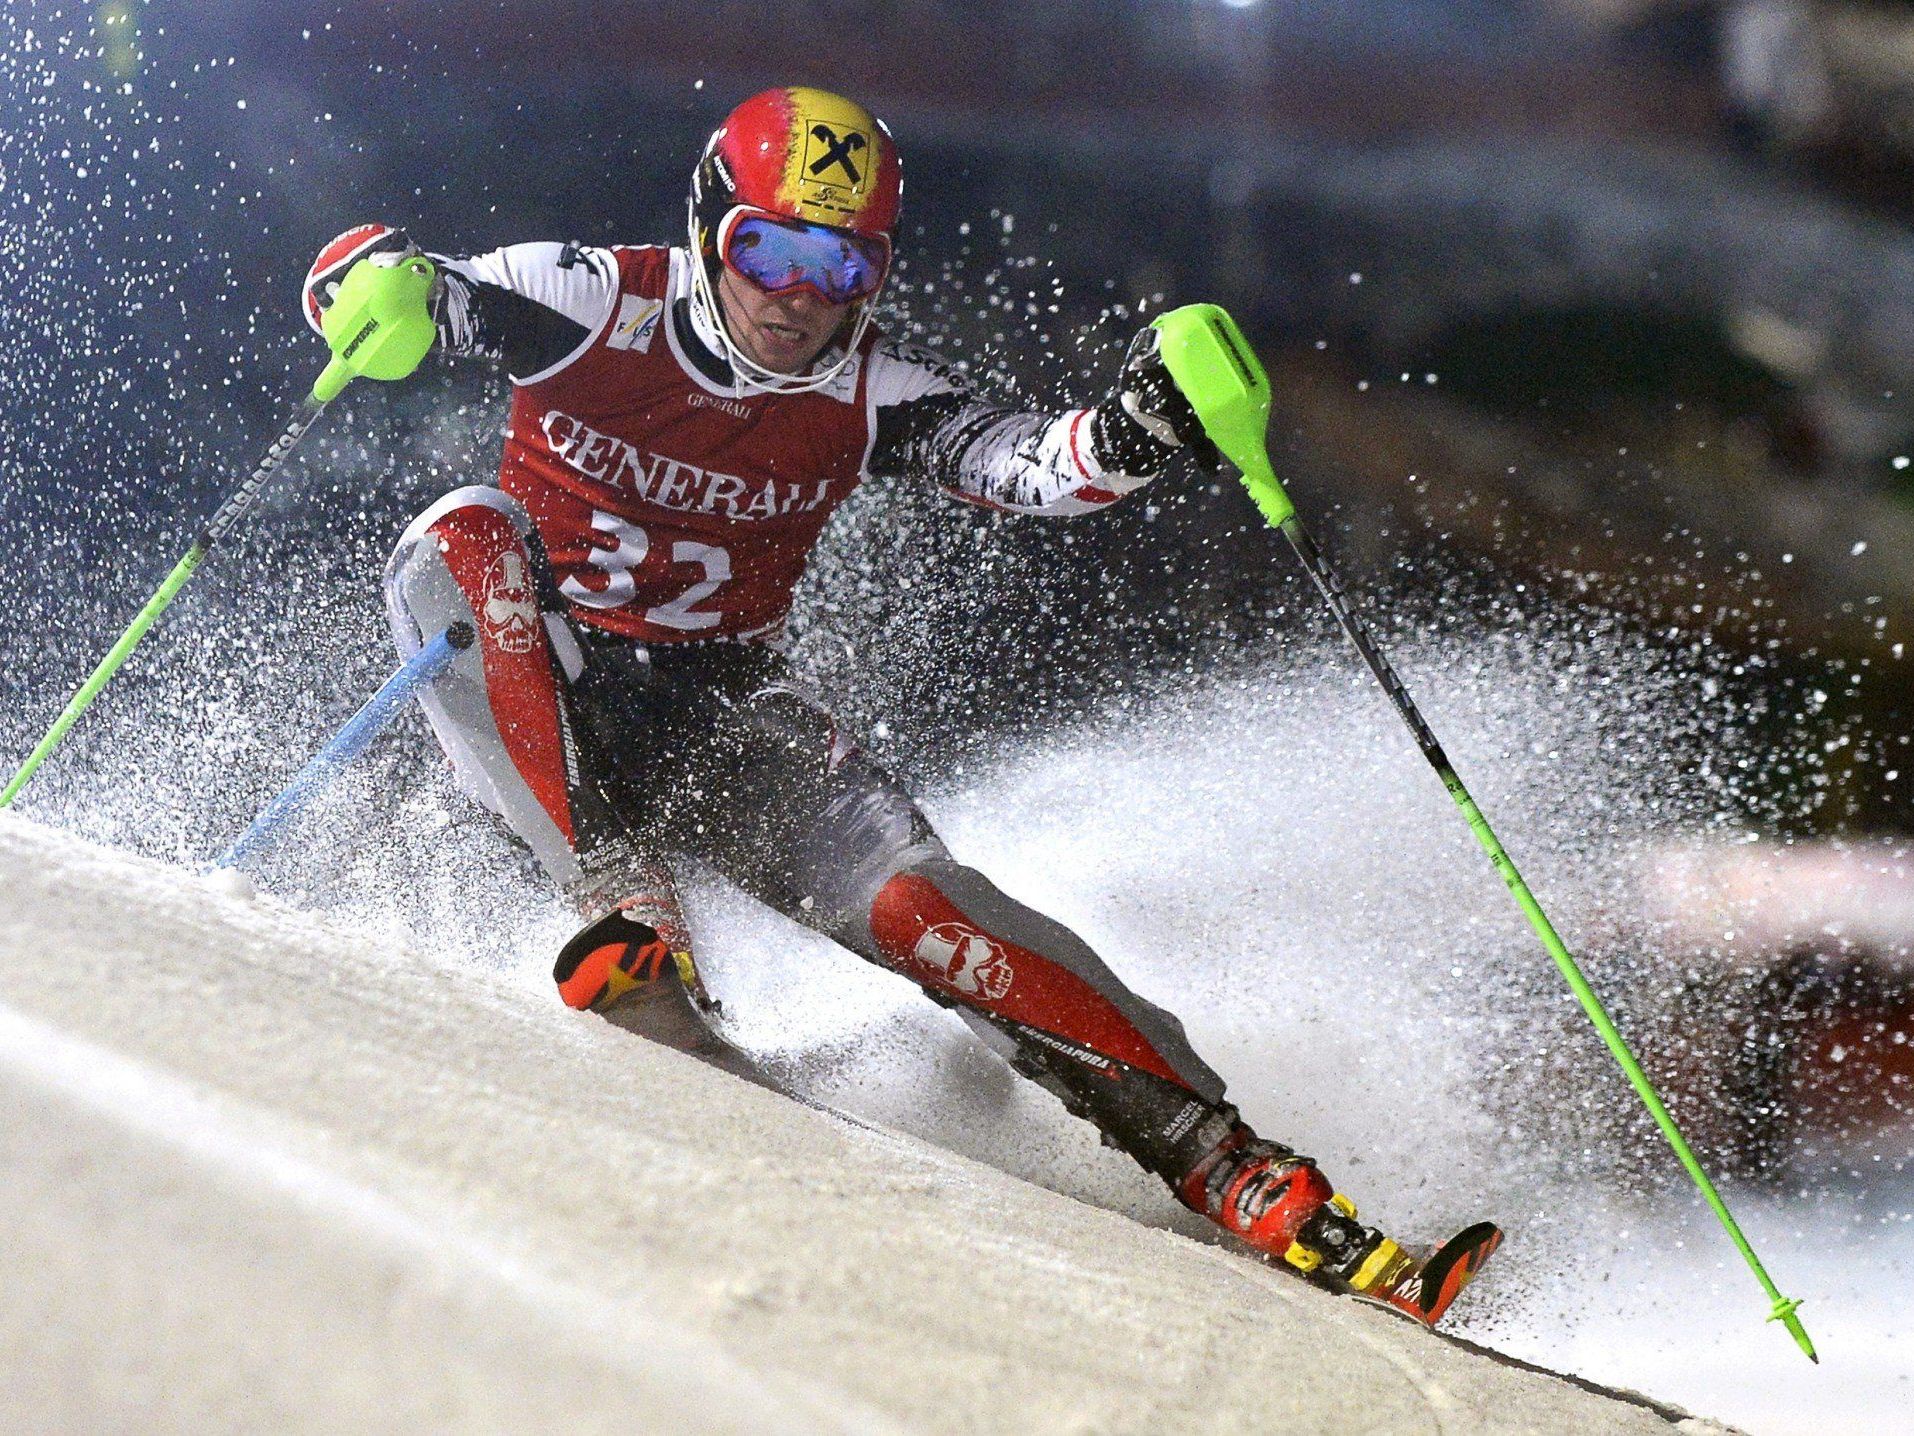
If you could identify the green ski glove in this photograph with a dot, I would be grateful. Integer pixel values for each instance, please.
(380, 324)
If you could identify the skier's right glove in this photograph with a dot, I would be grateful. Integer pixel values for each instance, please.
(380, 243)
(1146, 419)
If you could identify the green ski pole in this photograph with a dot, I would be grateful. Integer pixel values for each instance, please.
(379, 327)
(1220, 375)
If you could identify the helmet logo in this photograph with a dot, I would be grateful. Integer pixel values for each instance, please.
(832, 150)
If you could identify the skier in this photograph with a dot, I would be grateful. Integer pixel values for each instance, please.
(683, 423)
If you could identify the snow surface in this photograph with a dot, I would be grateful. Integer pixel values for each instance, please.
(262, 1174)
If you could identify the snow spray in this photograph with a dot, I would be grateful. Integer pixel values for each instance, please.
(378, 327)
(353, 739)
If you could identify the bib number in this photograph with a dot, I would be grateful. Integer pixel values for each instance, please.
(717, 569)
(629, 547)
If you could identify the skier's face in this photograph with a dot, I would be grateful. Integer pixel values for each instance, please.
(783, 332)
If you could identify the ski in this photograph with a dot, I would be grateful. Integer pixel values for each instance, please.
(619, 967)
(1425, 1290)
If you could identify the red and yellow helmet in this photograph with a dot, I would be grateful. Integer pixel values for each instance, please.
(800, 154)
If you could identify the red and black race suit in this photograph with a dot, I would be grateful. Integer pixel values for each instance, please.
(661, 503)
(678, 504)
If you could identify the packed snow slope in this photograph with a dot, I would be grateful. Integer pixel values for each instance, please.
(256, 1175)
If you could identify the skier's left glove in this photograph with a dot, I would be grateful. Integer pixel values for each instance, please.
(1145, 419)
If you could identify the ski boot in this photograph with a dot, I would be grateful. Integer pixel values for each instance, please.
(1281, 1204)
(632, 964)
(622, 953)
(628, 944)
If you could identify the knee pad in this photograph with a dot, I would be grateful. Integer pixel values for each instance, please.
(504, 579)
(473, 557)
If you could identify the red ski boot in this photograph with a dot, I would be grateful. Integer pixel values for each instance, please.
(620, 953)
(1282, 1205)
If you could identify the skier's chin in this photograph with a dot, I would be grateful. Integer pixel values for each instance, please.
(783, 336)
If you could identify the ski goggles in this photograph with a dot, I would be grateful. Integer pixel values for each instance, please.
(778, 254)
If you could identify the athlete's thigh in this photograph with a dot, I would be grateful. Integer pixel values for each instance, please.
(804, 820)
(508, 712)
(471, 559)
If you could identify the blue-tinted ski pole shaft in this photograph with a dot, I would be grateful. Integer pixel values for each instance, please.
(352, 740)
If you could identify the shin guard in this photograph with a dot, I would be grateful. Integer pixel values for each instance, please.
(499, 712)
(1066, 1020)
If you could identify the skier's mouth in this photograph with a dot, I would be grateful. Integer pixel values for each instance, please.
(784, 346)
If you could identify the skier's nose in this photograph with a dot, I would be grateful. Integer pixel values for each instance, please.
(802, 305)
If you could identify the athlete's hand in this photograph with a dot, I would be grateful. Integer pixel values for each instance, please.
(380, 244)
(1145, 419)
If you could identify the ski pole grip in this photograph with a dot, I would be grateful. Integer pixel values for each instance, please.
(333, 378)
(1226, 384)
(380, 325)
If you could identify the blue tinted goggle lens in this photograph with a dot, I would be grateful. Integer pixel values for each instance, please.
(779, 254)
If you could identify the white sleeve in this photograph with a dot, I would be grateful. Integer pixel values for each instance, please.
(902, 372)
(579, 283)
(536, 306)
(926, 420)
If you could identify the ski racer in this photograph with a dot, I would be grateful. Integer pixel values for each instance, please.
(684, 420)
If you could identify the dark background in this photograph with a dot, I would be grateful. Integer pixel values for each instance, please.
(1591, 326)
(1593, 310)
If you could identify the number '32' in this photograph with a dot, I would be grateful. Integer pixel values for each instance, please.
(629, 547)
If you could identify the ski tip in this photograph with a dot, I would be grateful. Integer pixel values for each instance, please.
(608, 959)
(1429, 1294)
